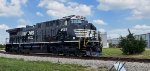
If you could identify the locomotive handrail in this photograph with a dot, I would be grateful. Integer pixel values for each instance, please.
(79, 43)
(49, 42)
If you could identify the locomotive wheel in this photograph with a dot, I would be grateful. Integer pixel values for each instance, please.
(20, 51)
(77, 53)
(54, 51)
(65, 52)
(7, 49)
(49, 49)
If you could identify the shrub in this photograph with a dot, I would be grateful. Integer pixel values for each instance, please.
(130, 45)
(2, 46)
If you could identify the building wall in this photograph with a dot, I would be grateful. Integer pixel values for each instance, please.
(146, 37)
(147, 40)
(104, 40)
(114, 42)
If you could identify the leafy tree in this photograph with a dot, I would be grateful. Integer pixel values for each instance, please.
(110, 45)
(130, 45)
(2, 46)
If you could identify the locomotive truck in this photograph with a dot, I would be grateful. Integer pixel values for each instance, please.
(70, 35)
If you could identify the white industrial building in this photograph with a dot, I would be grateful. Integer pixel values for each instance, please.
(146, 37)
(114, 41)
(104, 39)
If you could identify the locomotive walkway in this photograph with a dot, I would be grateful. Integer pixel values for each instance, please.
(95, 63)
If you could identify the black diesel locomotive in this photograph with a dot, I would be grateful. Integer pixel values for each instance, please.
(71, 35)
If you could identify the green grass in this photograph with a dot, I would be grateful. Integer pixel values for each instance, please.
(21, 65)
(7, 64)
(2, 48)
(116, 52)
(111, 52)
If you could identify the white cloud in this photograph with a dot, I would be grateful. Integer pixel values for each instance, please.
(102, 30)
(115, 33)
(139, 9)
(137, 29)
(21, 23)
(12, 8)
(4, 34)
(142, 27)
(39, 14)
(3, 27)
(60, 8)
(99, 21)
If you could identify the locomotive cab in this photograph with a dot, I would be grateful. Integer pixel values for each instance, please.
(86, 34)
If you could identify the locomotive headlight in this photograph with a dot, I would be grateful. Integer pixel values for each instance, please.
(74, 38)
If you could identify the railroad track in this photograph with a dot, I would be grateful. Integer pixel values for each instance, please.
(86, 58)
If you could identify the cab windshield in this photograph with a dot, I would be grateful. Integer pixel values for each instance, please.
(76, 21)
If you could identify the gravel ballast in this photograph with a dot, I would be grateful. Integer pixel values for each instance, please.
(129, 66)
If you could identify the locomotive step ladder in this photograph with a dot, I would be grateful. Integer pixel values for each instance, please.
(83, 51)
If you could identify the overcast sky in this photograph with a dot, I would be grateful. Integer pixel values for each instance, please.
(111, 16)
